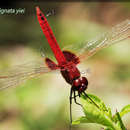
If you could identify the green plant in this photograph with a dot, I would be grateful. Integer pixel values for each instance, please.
(101, 115)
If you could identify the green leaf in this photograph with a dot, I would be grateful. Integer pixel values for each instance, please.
(120, 122)
(125, 110)
(93, 114)
(81, 120)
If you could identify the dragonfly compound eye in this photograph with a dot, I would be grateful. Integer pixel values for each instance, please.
(76, 84)
(84, 80)
(84, 84)
(80, 84)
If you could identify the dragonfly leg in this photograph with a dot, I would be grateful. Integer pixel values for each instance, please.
(91, 100)
(76, 100)
(71, 92)
(75, 96)
(79, 94)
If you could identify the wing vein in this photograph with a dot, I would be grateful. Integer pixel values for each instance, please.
(116, 34)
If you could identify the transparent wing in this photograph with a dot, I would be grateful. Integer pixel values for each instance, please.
(20, 73)
(117, 33)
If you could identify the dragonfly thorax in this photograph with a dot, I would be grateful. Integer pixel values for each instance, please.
(80, 84)
(70, 73)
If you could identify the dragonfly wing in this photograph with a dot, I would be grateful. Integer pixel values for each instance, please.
(71, 57)
(20, 73)
(117, 33)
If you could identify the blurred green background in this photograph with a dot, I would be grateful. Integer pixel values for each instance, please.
(43, 103)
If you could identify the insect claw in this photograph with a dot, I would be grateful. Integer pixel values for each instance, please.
(42, 52)
(49, 13)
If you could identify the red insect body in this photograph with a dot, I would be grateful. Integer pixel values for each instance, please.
(50, 37)
(67, 60)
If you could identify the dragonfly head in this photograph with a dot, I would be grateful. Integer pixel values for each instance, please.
(80, 84)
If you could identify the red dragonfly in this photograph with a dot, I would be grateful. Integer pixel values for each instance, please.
(67, 60)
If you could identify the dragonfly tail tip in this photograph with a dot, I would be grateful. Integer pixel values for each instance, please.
(37, 9)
